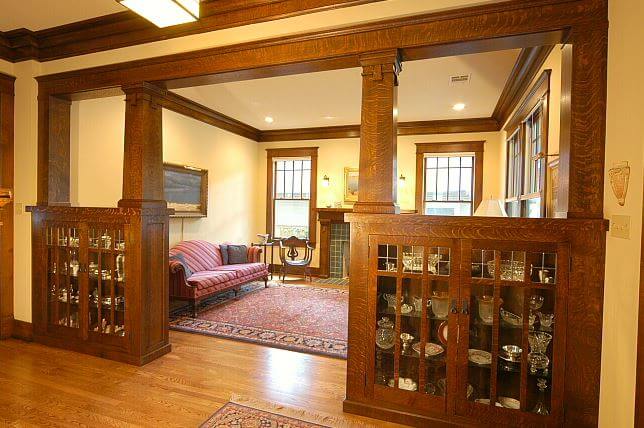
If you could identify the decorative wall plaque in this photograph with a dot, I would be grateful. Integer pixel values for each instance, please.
(619, 175)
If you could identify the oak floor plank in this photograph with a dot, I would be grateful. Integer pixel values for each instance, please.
(41, 386)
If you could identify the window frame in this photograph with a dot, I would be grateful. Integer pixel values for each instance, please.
(447, 148)
(537, 101)
(293, 152)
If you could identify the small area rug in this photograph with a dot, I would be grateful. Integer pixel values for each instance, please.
(332, 281)
(250, 413)
(304, 319)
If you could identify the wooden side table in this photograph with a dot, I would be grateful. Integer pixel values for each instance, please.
(265, 246)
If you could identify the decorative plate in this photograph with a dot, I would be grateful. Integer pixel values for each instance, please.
(431, 349)
(509, 403)
(479, 357)
(442, 332)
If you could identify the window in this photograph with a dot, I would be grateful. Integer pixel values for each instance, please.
(449, 178)
(526, 155)
(291, 193)
(449, 184)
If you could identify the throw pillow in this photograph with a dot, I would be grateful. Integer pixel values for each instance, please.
(223, 248)
(182, 260)
(237, 254)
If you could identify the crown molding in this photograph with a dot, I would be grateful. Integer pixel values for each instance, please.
(126, 28)
(528, 64)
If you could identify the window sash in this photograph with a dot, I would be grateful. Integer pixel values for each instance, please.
(291, 176)
(448, 170)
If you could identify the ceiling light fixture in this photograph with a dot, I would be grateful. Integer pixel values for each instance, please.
(269, 119)
(164, 13)
(459, 107)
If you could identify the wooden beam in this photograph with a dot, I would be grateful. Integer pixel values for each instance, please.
(525, 69)
(126, 28)
(187, 107)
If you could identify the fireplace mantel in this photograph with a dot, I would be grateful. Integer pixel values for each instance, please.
(328, 216)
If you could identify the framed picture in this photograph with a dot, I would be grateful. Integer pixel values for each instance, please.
(186, 190)
(350, 185)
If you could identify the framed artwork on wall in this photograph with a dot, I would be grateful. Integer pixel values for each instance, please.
(186, 190)
(350, 185)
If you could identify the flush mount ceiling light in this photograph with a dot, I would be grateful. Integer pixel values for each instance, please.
(458, 107)
(269, 119)
(164, 13)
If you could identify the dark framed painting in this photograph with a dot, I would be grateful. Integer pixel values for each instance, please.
(186, 190)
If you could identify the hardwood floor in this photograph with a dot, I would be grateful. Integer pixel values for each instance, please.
(41, 386)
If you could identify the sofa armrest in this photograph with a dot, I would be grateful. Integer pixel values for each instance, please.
(179, 286)
(254, 254)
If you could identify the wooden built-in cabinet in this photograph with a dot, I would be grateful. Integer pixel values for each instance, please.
(487, 299)
(88, 293)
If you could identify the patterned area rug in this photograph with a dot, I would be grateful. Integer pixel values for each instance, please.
(251, 413)
(304, 319)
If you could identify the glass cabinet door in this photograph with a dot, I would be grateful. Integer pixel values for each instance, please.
(107, 281)
(413, 296)
(510, 305)
(63, 268)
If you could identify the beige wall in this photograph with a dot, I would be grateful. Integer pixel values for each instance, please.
(624, 142)
(335, 155)
(97, 168)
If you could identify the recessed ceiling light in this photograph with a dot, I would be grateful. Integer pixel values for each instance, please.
(269, 119)
(459, 107)
(329, 117)
(164, 13)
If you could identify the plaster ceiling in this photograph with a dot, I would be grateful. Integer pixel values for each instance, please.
(332, 98)
(40, 14)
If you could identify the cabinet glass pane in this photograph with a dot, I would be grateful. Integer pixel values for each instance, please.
(385, 330)
(388, 258)
(410, 332)
(437, 336)
(510, 352)
(63, 261)
(106, 281)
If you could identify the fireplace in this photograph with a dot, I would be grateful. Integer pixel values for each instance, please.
(339, 251)
(334, 243)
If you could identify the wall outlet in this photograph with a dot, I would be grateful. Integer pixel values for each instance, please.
(620, 226)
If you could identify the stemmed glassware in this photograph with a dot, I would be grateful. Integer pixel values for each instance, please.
(540, 408)
(537, 357)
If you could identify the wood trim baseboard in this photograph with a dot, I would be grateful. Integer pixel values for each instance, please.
(126, 28)
(23, 330)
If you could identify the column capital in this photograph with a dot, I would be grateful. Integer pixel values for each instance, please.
(144, 88)
(375, 64)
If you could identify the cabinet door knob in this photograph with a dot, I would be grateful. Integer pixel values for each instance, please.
(454, 309)
(465, 310)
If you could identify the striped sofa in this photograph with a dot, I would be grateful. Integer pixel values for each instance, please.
(209, 274)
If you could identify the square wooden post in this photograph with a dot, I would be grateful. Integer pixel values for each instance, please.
(143, 195)
(6, 212)
(378, 133)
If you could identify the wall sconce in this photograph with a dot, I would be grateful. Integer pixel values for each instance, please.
(326, 181)
(402, 180)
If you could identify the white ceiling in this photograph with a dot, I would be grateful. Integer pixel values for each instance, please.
(333, 97)
(40, 14)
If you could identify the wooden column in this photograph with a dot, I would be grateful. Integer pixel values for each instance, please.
(378, 133)
(583, 122)
(143, 195)
(53, 150)
(143, 160)
(6, 212)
